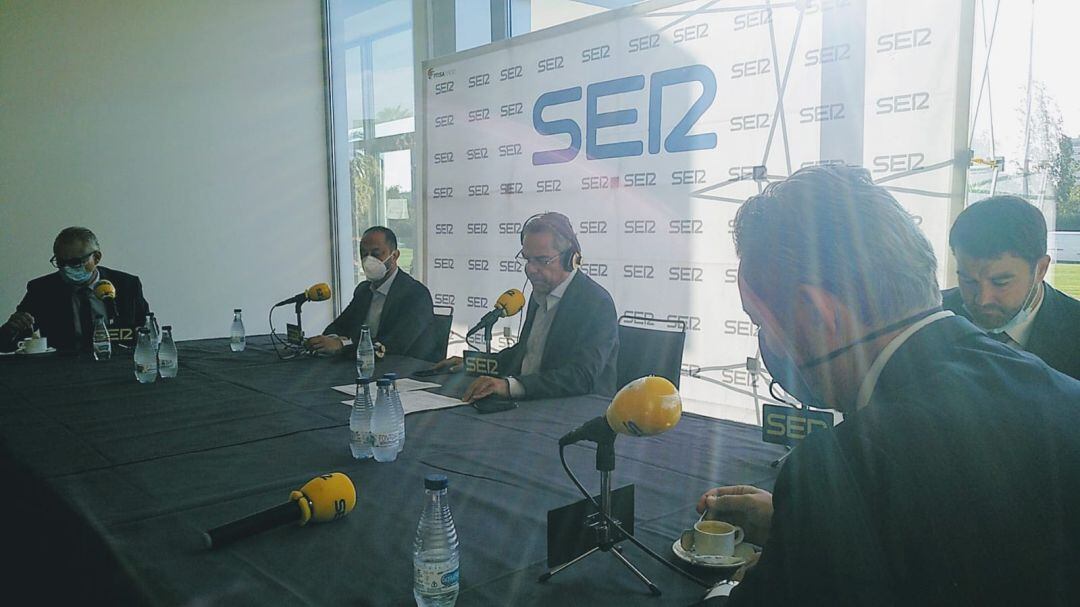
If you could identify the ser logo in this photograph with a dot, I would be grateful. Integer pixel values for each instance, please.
(644, 43)
(474, 301)
(895, 163)
(511, 109)
(690, 32)
(898, 104)
(595, 270)
(444, 120)
(511, 265)
(745, 21)
(639, 226)
(639, 317)
(639, 180)
(443, 157)
(441, 88)
(750, 122)
(686, 226)
(443, 192)
(821, 113)
(512, 187)
(689, 177)
(476, 153)
(693, 323)
(746, 69)
(820, 6)
(479, 189)
(737, 377)
(903, 40)
(595, 53)
(592, 227)
(512, 149)
(828, 54)
(744, 328)
(788, 426)
(443, 263)
(544, 186)
(476, 228)
(478, 265)
(479, 80)
(443, 299)
(478, 114)
(549, 64)
(637, 271)
(509, 228)
(444, 229)
(510, 73)
(599, 182)
(686, 274)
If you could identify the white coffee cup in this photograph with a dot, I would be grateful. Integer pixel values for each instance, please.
(715, 538)
(34, 345)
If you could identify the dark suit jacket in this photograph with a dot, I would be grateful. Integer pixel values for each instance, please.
(48, 300)
(1055, 332)
(959, 484)
(405, 325)
(581, 348)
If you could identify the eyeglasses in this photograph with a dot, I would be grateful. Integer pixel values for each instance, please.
(71, 263)
(539, 260)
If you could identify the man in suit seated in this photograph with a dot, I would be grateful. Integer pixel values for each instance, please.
(570, 339)
(1001, 260)
(396, 308)
(62, 304)
(953, 479)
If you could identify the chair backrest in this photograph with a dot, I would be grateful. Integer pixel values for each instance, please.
(440, 330)
(649, 351)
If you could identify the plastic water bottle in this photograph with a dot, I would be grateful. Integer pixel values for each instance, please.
(145, 358)
(365, 354)
(237, 340)
(102, 345)
(399, 409)
(435, 550)
(155, 329)
(384, 426)
(360, 420)
(167, 356)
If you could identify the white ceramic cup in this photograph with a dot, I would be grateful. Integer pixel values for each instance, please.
(34, 345)
(716, 538)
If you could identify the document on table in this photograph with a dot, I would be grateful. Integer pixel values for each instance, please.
(404, 384)
(419, 400)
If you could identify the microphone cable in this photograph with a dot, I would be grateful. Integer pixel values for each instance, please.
(275, 338)
(629, 536)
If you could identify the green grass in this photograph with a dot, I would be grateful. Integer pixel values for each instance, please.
(1067, 278)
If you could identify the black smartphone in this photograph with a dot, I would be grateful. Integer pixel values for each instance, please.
(428, 372)
(492, 405)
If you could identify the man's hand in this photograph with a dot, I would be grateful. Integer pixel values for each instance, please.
(380, 350)
(324, 344)
(486, 386)
(452, 364)
(20, 322)
(748, 507)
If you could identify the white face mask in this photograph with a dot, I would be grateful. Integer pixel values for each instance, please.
(374, 270)
(1023, 313)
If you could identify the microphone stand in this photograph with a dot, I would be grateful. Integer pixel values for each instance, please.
(606, 539)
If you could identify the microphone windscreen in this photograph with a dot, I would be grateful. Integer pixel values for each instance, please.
(319, 292)
(646, 406)
(104, 290)
(511, 301)
(331, 497)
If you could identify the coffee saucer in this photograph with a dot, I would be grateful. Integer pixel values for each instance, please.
(48, 350)
(743, 551)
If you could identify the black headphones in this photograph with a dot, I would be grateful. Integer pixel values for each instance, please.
(559, 224)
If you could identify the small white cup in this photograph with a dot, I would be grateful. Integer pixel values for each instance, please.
(715, 538)
(34, 345)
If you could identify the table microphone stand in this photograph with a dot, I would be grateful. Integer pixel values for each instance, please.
(606, 535)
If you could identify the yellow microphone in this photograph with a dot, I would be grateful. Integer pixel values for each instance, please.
(644, 407)
(325, 498)
(104, 290)
(316, 292)
(510, 302)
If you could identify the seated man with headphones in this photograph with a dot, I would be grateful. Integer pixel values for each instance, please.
(570, 340)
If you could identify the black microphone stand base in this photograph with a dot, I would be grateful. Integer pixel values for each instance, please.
(607, 538)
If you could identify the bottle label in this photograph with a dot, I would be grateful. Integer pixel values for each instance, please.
(385, 439)
(362, 438)
(145, 368)
(435, 577)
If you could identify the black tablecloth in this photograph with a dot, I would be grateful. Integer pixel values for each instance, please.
(153, 466)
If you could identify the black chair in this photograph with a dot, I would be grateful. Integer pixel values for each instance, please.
(649, 351)
(440, 332)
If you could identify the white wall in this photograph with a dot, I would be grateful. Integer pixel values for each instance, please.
(190, 136)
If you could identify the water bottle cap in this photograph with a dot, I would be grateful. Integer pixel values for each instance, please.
(142, 330)
(236, 310)
(151, 315)
(435, 482)
(382, 382)
(364, 380)
(166, 328)
(390, 376)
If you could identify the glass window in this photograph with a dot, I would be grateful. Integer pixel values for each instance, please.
(472, 23)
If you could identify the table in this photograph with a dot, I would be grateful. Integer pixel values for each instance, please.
(155, 465)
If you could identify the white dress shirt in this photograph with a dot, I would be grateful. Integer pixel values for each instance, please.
(538, 334)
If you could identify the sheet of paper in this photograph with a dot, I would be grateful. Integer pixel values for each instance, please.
(404, 384)
(418, 400)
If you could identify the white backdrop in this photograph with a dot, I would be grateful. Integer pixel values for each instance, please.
(644, 126)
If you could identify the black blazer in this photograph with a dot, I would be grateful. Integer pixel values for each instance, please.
(581, 348)
(1055, 332)
(959, 484)
(48, 300)
(407, 315)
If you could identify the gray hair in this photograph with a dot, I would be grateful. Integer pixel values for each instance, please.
(77, 234)
(832, 227)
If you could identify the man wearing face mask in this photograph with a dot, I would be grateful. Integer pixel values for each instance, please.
(953, 479)
(396, 308)
(62, 305)
(1000, 248)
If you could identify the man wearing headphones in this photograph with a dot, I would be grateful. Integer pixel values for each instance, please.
(570, 340)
